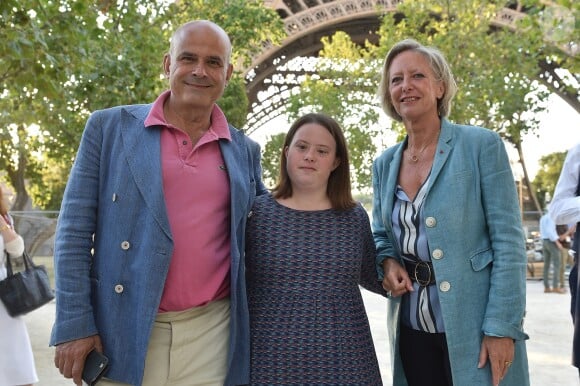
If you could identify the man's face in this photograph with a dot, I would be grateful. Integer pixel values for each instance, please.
(198, 66)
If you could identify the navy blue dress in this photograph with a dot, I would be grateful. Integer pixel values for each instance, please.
(308, 323)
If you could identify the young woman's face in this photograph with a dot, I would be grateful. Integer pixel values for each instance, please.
(311, 156)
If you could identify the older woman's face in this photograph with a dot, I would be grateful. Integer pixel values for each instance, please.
(413, 88)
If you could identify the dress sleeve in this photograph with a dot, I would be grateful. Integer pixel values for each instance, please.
(15, 247)
(369, 278)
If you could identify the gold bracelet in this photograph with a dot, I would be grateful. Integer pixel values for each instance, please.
(4, 227)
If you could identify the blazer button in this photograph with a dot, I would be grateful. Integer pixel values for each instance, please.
(125, 245)
(119, 289)
(445, 286)
(437, 254)
(430, 222)
(114, 198)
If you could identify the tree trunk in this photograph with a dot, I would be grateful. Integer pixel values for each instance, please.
(17, 180)
(548, 75)
(526, 178)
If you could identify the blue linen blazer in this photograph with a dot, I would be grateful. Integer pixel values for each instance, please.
(113, 242)
(477, 245)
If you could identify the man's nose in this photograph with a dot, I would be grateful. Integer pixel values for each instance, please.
(198, 69)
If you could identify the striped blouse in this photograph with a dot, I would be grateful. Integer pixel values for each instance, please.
(420, 309)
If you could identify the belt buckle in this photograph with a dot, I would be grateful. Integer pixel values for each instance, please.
(422, 283)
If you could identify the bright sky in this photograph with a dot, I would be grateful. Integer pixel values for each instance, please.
(559, 131)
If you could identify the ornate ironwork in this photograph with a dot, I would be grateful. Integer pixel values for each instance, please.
(278, 69)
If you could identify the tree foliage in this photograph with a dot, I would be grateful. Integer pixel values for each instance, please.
(343, 90)
(548, 175)
(271, 159)
(496, 68)
(61, 60)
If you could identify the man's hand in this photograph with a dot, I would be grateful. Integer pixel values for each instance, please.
(69, 357)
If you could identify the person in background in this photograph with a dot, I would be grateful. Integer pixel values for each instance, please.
(551, 250)
(449, 236)
(565, 209)
(309, 246)
(565, 235)
(16, 358)
(151, 231)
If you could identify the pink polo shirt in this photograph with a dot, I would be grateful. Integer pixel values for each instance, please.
(197, 198)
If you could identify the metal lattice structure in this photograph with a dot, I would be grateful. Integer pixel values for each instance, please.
(277, 70)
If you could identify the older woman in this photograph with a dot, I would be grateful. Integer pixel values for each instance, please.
(448, 231)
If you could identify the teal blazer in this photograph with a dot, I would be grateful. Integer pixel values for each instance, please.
(473, 225)
(113, 242)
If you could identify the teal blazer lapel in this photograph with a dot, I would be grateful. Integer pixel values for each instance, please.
(393, 175)
(442, 152)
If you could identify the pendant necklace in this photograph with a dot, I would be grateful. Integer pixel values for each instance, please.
(415, 157)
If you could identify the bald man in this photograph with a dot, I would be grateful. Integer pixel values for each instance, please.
(149, 239)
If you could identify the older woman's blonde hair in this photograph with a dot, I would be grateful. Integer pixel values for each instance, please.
(438, 65)
(3, 207)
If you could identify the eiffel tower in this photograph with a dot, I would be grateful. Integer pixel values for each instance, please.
(277, 69)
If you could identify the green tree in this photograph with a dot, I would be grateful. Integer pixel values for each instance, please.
(34, 63)
(271, 159)
(547, 176)
(497, 69)
(342, 89)
(60, 60)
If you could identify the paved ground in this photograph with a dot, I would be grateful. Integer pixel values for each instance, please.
(548, 324)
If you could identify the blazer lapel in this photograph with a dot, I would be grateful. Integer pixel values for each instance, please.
(443, 150)
(143, 154)
(234, 158)
(393, 176)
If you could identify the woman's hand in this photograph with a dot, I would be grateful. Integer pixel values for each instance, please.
(396, 279)
(500, 352)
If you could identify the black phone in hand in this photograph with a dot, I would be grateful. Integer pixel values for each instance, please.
(95, 366)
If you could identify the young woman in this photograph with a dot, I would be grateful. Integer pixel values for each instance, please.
(309, 246)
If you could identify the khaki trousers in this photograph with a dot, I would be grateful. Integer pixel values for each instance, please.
(187, 348)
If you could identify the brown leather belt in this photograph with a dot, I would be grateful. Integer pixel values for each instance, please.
(421, 272)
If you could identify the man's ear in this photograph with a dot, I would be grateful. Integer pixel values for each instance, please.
(167, 65)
